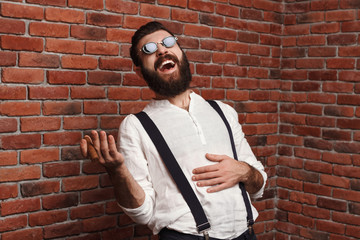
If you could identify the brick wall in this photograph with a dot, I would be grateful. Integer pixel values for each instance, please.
(290, 68)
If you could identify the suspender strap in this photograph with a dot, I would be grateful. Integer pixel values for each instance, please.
(250, 219)
(177, 174)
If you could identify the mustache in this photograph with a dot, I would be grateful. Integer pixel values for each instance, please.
(165, 57)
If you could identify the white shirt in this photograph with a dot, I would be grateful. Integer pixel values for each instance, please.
(190, 135)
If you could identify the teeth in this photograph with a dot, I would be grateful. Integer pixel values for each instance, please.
(166, 62)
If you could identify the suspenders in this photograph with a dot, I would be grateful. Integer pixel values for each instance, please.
(178, 176)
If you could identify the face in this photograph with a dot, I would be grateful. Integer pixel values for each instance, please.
(166, 71)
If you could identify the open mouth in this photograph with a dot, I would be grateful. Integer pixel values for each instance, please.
(166, 63)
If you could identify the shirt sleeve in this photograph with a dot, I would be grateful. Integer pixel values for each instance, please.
(131, 146)
(243, 148)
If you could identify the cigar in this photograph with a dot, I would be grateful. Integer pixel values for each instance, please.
(92, 154)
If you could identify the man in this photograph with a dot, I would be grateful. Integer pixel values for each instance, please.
(197, 138)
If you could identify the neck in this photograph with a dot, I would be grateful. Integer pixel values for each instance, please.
(182, 100)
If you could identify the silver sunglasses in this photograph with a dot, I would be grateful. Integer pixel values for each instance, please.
(151, 47)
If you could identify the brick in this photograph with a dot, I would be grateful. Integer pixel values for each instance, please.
(12, 26)
(234, 23)
(20, 141)
(49, 2)
(64, 15)
(61, 108)
(99, 77)
(352, 76)
(114, 63)
(252, 14)
(20, 206)
(349, 51)
(62, 138)
(223, 82)
(121, 6)
(131, 107)
(133, 79)
(315, 166)
(13, 223)
(134, 22)
(22, 43)
(224, 34)
(17, 75)
(300, 197)
(62, 230)
(119, 35)
(198, 56)
(321, 52)
(211, 20)
(8, 158)
(341, 39)
(248, 37)
(340, 63)
(64, 46)
(353, 231)
(348, 99)
(8, 191)
(350, 26)
(94, 4)
(66, 77)
(104, 20)
(234, 71)
(311, 41)
(289, 184)
(88, 93)
(317, 189)
(101, 48)
(99, 223)
(316, 212)
(227, 10)
(303, 29)
(331, 227)
(110, 122)
(38, 60)
(324, 5)
(97, 195)
(197, 31)
(48, 92)
(339, 111)
(124, 93)
(338, 87)
(294, 74)
(39, 156)
(48, 29)
(336, 135)
(87, 33)
(71, 123)
(354, 208)
(78, 62)
(293, 52)
(226, 58)
(340, 15)
(310, 17)
(301, 220)
(308, 153)
(21, 11)
(33, 124)
(319, 144)
(8, 124)
(31, 189)
(346, 171)
(87, 211)
(309, 64)
(151, 10)
(208, 69)
(200, 5)
(308, 109)
(80, 183)
(33, 234)
(322, 98)
(334, 181)
(347, 147)
(7, 58)
(175, 3)
(47, 218)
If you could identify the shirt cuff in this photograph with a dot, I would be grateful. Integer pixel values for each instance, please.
(259, 193)
(142, 214)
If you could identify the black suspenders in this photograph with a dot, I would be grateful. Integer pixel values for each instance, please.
(178, 176)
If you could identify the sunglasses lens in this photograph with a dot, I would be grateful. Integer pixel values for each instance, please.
(169, 41)
(149, 48)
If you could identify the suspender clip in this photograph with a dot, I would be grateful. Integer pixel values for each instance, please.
(250, 226)
(206, 235)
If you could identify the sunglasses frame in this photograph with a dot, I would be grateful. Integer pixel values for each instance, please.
(156, 47)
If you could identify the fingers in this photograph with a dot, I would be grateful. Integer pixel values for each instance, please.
(91, 151)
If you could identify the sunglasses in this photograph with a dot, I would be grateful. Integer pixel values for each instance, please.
(151, 47)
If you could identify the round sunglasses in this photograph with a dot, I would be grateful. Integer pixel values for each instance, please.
(151, 47)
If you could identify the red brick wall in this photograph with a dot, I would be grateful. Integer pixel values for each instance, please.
(290, 68)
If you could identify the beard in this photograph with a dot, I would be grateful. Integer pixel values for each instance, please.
(176, 83)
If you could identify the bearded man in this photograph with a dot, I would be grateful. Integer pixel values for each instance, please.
(200, 142)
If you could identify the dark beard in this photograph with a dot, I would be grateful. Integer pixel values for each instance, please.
(176, 84)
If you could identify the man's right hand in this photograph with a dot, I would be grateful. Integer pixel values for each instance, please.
(105, 147)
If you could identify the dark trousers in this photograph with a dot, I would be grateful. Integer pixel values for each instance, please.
(166, 234)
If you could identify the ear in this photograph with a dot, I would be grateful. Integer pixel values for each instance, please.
(137, 70)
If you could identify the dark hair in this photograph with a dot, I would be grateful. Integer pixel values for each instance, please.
(144, 30)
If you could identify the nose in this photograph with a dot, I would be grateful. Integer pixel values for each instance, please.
(161, 50)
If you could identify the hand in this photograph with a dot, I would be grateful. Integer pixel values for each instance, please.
(226, 173)
(105, 147)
